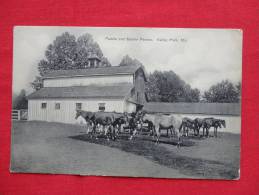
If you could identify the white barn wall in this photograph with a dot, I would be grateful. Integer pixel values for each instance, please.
(85, 81)
(67, 111)
(233, 123)
(129, 107)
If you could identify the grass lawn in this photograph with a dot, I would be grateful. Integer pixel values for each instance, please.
(40, 144)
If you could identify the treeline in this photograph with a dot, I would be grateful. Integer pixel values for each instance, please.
(167, 86)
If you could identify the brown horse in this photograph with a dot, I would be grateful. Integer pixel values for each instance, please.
(218, 123)
(82, 118)
(188, 124)
(207, 123)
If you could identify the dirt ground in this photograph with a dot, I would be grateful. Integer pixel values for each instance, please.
(43, 147)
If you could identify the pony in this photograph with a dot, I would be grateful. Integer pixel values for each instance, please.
(159, 121)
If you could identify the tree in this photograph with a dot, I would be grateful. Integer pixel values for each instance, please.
(224, 91)
(85, 46)
(128, 61)
(61, 54)
(20, 101)
(169, 87)
(67, 52)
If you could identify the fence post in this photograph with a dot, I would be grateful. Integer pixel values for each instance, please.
(19, 114)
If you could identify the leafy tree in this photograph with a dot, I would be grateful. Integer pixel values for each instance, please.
(224, 91)
(85, 46)
(20, 101)
(169, 87)
(67, 52)
(128, 61)
(61, 54)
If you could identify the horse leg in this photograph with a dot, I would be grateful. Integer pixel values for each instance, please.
(178, 134)
(157, 135)
(106, 132)
(131, 134)
(171, 133)
(134, 132)
(178, 141)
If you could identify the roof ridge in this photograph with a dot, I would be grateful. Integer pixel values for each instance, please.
(92, 71)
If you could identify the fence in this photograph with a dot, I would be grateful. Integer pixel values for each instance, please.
(19, 115)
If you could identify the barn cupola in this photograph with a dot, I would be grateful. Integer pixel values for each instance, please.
(93, 60)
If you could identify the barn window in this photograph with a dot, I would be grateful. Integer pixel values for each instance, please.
(57, 106)
(101, 106)
(43, 105)
(78, 106)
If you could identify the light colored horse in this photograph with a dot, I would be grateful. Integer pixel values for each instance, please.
(159, 121)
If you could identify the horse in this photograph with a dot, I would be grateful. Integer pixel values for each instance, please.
(218, 123)
(85, 123)
(188, 124)
(160, 121)
(105, 119)
(198, 123)
(133, 124)
(85, 114)
(207, 124)
(120, 121)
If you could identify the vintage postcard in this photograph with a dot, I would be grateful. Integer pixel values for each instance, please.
(133, 102)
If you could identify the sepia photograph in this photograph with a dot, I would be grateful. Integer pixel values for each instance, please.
(127, 101)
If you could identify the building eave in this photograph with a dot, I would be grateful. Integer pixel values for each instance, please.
(57, 77)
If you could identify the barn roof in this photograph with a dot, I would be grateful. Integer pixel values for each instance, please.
(112, 70)
(194, 108)
(91, 91)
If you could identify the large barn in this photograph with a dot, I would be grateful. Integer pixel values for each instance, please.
(110, 89)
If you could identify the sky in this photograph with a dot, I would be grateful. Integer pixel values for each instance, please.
(201, 57)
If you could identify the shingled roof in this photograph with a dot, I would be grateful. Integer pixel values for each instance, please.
(92, 91)
(194, 108)
(112, 70)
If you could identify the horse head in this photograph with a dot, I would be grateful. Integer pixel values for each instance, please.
(223, 122)
(78, 113)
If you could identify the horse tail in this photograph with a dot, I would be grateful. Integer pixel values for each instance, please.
(181, 126)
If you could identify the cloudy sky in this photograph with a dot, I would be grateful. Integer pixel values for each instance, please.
(201, 57)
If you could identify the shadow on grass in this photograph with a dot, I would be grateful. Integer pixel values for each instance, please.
(145, 146)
